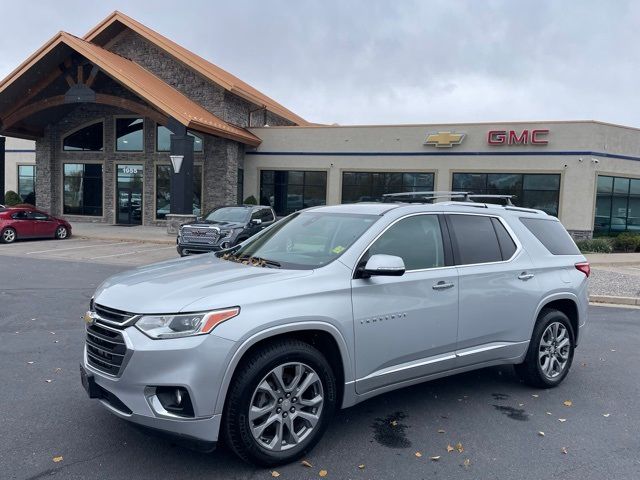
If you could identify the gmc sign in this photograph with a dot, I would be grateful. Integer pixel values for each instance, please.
(511, 137)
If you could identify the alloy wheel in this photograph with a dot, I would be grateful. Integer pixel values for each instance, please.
(286, 406)
(554, 350)
(61, 232)
(9, 235)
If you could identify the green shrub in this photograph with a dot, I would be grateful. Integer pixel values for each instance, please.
(627, 242)
(596, 245)
(250, 200)
(11, 198)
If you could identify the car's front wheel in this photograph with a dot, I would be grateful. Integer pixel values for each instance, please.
(62, 232)
(8, 235)
(550, 352)
(279, 403)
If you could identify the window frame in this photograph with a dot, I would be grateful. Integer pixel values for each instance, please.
(446, 245)
(77, 129)
(304, 185)
(454, 245)
(611, 196)
(344, 171)
(104, 191)
(18, 177)
(194, 134)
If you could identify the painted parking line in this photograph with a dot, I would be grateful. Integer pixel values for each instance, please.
(77, 248)
(130, 253)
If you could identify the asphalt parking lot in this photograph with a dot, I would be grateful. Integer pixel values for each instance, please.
(112, 252)
(496, 420)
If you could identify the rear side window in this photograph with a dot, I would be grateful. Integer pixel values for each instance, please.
(474, 239)
(504, 239)
(552, 235)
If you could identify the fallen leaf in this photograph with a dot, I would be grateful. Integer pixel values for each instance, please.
(57, 459)
(48, 381)
(418, 454)
(606, 415)
(306, 464)
(441, 431)
(361, 466)
(564, 450)
(435, 459)
(450, 448)
(567, 403)
(562, 420)
(275, 474)
(541, 434)
(322, 473)
(394, 423)
(459, 447)
(466, 462)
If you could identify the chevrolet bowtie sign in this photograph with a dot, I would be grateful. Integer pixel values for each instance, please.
(444, 139)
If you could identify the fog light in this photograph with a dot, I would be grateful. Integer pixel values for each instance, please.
(225, 245)
(175, 400)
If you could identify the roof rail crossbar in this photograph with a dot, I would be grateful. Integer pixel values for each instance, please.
(426, 193)
(421, 197)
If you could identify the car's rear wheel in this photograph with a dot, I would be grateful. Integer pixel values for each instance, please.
(62, 232)
(550, 352)
(280, 403)
(8, 235)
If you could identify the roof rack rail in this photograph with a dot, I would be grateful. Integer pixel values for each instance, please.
(506, 198)
(420, 197)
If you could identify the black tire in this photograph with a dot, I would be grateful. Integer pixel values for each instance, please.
(181, 252)
(62, 233)
(8, 235)
(235, 423)
(531, 370)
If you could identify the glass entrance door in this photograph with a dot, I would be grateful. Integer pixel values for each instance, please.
(129, 194)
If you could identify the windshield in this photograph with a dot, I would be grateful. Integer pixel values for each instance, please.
(229, 214)
(306, 240)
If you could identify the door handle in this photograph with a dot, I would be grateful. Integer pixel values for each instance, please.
(441, 285)
(525, 276)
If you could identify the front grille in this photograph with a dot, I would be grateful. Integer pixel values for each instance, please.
(106, 349)
(112, 315)
(201, 236)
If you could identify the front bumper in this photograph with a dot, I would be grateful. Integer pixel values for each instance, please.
(195, 363)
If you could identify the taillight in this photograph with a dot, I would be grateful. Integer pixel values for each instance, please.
(584, 268)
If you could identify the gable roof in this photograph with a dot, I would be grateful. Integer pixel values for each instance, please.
(102, 33)
(161, 96)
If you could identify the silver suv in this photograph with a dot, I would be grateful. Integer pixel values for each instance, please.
(260, 344)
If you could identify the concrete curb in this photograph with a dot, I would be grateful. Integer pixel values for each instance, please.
(633, 301)
(168, 241)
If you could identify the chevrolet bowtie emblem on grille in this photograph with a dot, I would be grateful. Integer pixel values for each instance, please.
(444, 139)
(89, 319)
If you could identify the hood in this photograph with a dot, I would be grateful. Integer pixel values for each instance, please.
(170, 287)
(206, 223)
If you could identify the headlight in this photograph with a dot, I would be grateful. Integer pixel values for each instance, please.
(183, 325)
(226, 233)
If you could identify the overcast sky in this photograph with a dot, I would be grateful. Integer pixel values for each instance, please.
(395, 61)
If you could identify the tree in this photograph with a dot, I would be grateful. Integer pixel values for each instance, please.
(250, 200)
(12, 198)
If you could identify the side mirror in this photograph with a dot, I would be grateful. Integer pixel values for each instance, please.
(386, 265)
(256, 221)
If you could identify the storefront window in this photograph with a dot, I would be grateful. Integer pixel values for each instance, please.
(540, 191)
(617, 205)
(82, 185)
(163, 140)
(87, 139)
(129, 134)
(289, 191)
(27, 183)
(163, 190)
(371, 186)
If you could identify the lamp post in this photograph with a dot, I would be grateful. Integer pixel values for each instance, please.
(176, 162)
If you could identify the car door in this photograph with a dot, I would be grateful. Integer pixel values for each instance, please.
(498, 289)
(43, 224)
(22, 224)
(406, 326)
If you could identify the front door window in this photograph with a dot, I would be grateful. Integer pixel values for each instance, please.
(129, 194)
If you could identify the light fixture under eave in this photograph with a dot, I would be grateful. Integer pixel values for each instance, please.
(176, 162)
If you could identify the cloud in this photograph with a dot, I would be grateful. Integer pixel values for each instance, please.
(401, 61)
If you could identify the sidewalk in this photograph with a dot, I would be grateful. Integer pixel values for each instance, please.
(138, 233)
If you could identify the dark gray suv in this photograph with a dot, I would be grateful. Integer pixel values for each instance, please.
(223, 227)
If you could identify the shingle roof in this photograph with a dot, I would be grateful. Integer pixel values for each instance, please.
(204, 67)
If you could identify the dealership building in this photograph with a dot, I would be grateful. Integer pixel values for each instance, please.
(131, 128)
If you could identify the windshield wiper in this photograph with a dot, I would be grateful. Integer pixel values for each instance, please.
(259, 261)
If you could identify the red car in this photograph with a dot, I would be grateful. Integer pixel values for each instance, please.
(24, 222)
